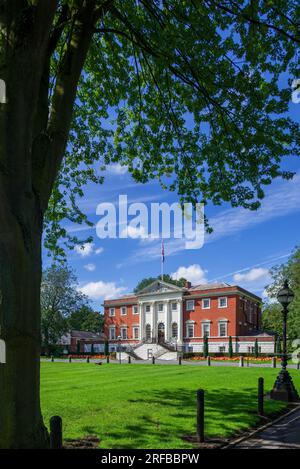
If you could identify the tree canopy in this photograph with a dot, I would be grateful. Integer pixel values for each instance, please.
(167, 278)
(272, 317)
(59, 299)
(86, 319)
(186, 92)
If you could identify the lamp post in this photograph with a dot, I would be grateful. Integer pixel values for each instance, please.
(284, 389)
(119, 343)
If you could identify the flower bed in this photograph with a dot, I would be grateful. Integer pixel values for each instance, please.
(81, 357)
(233, 359)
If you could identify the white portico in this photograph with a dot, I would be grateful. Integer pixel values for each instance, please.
(161, 314)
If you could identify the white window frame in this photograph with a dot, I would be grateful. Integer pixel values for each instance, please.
(172, 326)
(160, 305)
(205, 323)
(112, 312)
(123, 308)
(226, 328)
(190, 308)
(190, 324)
(147, 308)
(219, 302)
(136, 328)
(112, 328)
(209, 302)
(172, 306)
(123, 328)
(135, 309)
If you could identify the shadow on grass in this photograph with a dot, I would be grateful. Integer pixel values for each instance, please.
(226, 412)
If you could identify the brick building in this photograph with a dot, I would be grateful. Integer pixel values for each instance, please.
(178, 319)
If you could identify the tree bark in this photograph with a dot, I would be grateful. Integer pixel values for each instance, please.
(32, 145)
(21, 424)
(22, 51)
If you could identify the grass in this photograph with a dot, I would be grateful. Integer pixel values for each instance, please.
(145, 406)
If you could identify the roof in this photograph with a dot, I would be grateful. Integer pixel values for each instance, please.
(85, 334)
(210, 286)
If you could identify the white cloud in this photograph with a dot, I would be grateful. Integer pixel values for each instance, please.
(193, 273)
(85, 249)
(257, 273)
(117, 169)
(90, 267)
(106, 290)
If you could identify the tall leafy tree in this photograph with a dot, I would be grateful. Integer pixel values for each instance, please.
(86, 319)
(59, 300)
(272, 317)
(182, 91)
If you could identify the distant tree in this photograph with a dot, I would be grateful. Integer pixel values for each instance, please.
(86, 319)
(272, 318)
(290, 271)
(230, 350)
(59, 298)
(205, 347)
(167, 278)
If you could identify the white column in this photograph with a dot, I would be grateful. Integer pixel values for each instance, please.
(180, 322)
(153, 319)
(142, 321)
(167, 320)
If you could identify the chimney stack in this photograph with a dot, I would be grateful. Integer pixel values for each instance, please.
(188, 284)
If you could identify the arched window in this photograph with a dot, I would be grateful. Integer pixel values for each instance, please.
(148, 331)
(174, 330)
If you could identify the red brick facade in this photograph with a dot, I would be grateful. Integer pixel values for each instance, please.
(218, 311)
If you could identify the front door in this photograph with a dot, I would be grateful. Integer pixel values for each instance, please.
(161, 332)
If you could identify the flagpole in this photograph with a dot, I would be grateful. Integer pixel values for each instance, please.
(162, 259)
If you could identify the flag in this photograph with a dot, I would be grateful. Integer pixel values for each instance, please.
(162, 252)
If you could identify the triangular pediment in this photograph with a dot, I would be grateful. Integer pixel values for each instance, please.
(158, 286)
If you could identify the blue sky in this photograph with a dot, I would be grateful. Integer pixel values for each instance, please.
(241, 250)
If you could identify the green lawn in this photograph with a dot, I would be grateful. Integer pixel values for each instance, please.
(151, 406)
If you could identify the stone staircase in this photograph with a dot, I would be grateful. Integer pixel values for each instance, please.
(162, 351)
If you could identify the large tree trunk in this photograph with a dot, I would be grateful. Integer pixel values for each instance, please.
(21, 424)
(32, 143)
(23, 48)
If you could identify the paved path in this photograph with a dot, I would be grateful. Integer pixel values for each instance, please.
(285, 434)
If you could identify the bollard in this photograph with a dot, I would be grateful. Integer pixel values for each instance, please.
(107, 359)
(260, 400)
(179, 360)
(200, 415)
(70, 359)
(55, 432)
(273, 362)
(129, 359)
(52, 358)
(88, 359)
(208, 361)
(241, 361)
(298, 366)
(153, 360)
